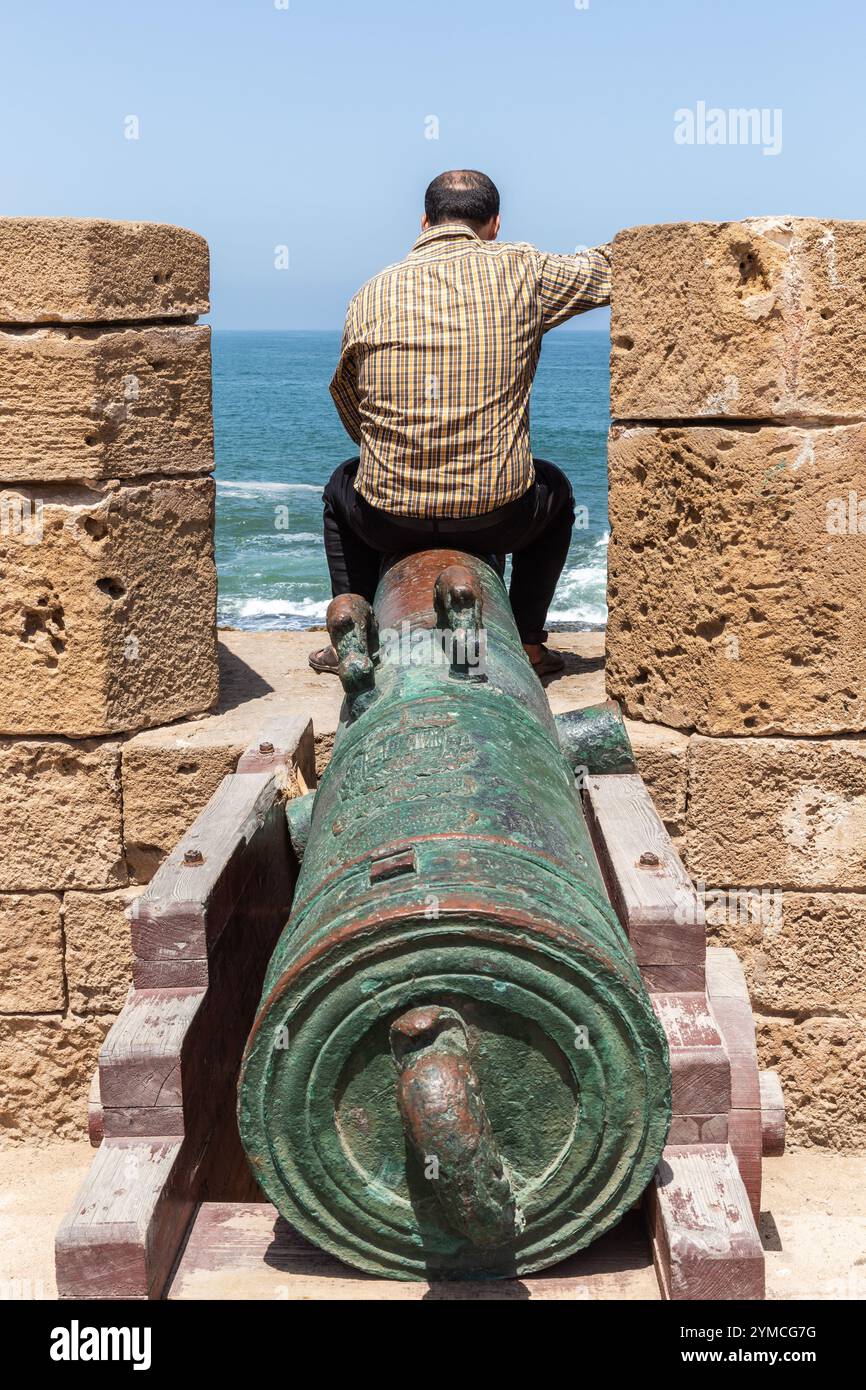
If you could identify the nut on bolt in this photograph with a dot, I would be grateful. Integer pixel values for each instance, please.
(649, 858)
(193, 856)
(266, 746)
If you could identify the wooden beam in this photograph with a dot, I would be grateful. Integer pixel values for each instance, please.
(648, 886)
(700, 1067)
(169, 1065)
(285, 744)
(729, 1000)
(187, 903)
(124, 1229)
(705, 1242)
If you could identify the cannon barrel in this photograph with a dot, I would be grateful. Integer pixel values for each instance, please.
(455, 1070)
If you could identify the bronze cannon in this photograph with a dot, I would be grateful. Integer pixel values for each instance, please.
(455, 1070)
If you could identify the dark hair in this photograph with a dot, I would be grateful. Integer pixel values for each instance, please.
(461, 195)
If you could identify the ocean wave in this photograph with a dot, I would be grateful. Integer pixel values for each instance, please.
(311, 608)
(581, 595)
(593, 613)
(243, 485)
(582, 578)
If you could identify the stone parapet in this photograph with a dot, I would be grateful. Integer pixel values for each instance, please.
(109, 618)
(107, 612)
(61, 815)
(93, 403)
(737, 609)
(753, 320)
(90, 270)
(31, 953)
(733, 608)
(785, 812)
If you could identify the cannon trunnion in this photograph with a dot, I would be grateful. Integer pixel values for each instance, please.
(455, 1070)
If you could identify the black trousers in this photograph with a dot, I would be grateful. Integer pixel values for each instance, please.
(535, 529)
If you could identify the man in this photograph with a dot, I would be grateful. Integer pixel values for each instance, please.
(438, 357)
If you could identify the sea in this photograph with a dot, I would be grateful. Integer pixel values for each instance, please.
(278, 438)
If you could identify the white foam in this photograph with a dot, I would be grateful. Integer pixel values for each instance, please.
(584, 577)
(593, 613)
(581, 594)
(283, 608)
(242, 485)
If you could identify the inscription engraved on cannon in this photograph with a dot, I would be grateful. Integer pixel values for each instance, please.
(419, 760)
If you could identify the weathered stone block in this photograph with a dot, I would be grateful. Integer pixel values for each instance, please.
(168, 778)
(170, 774)
(759, 319)
(46, 1065)
(662, 761)
(108, 608)
(87, 269)
(822, 1066)
(91, 403)
(31, 953)
(98, 950)
(802, 952)
(735, 581)
(61, 815)
(787, 813)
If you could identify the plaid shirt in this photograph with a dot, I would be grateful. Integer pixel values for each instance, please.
(439, 353)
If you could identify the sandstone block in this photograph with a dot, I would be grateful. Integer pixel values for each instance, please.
(787, 813)
(107, 613)
(61, 815)
(324, 752)
(31, 953)
(662, 761)
(822, 1066)
(759, 319)
(735, 583)
(87, 269)
(98, 950)
(802, 952)
(169, 776)
(46, 1065)
(91, 403)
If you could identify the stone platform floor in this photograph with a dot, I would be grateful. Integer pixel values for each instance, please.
(813, 1224)
(264, 670)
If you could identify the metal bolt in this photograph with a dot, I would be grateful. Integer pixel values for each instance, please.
(648, 857)
(266, 747)
(193, 856)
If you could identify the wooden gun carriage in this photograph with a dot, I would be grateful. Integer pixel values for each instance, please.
(490, 1028)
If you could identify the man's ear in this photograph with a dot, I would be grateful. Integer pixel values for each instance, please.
(497, 224)
(425, 222)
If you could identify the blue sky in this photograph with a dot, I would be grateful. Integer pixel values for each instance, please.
(305, 127)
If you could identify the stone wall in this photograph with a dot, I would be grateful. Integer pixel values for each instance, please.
(107, 613)
(737, 608)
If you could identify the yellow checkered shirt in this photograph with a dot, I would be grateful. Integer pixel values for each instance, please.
(438, 356)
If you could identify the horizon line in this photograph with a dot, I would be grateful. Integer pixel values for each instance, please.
(226, 328)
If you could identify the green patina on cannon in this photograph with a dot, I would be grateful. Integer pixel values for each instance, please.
(455, 1071)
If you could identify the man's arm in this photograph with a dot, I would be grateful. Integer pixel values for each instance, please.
(571, 284)
(344, 387)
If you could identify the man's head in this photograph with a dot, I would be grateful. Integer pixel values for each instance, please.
(463, 195)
